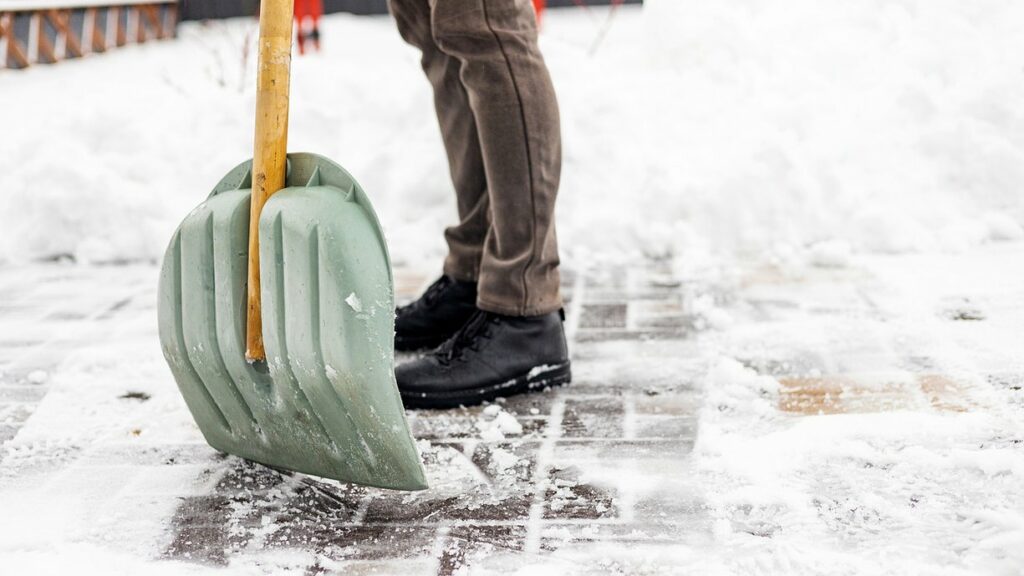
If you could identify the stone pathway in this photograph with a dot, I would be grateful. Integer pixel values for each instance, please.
(522, 494)
(606, 461)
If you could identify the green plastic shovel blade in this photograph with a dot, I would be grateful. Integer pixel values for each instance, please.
(325, 402)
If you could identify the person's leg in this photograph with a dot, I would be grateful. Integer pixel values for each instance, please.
(515, 342)
(517, 123)
(449, 302)
(459, 133)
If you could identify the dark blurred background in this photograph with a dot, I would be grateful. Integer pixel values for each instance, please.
(204, 9)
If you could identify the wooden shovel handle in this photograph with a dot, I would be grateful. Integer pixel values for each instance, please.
(271, 148)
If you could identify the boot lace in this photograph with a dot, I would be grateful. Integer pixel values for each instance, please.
(467, 338)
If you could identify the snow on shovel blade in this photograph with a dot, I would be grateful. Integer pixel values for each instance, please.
(325, 403)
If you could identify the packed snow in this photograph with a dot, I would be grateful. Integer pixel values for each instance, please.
(843, 151)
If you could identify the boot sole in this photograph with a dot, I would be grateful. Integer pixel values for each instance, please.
(558, 375)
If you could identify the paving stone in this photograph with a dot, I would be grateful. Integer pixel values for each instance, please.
(638, 367)
(634, 535)
(603, 316)
(201, 543)
(631, 288)
(653, 402)
(205, 510)
(610, 452)
(208, 527)
(668, 427)
(476, 481)
(569, 498)
(526, 406)
(609, 278)
(249, 477)
(437, 425)
(467, 546)
(480, 504)
(308, 518)
(870, 392)
(595, 417)
(666, 313)
(369, 542)
(511, 464)
(670, 505)
(608, 335)
(631, 349)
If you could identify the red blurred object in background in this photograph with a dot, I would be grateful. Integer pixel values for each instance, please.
(308, 10)
(539, 6)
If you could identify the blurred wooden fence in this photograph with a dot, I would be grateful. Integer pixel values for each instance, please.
(48, 31)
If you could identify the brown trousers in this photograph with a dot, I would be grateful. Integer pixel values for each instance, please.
(499, 121)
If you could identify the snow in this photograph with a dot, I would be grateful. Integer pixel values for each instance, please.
(887, 125)
(704, 129)
(830, 254)
(539, 370)
(821, 149)
(37, 376)
(354, 302)
(496, 424)
(502, 460)
(767, 470)
(1003, 228)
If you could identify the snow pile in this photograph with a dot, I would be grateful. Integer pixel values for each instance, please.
(820, 129)
(102, 157)
(891, 126)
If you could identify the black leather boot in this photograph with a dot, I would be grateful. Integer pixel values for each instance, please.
(436, 316)
(491, 356)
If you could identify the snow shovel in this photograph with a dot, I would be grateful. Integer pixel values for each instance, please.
(276, 307)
